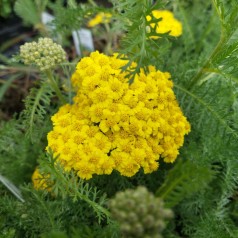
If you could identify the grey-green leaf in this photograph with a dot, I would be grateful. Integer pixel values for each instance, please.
(27, 10)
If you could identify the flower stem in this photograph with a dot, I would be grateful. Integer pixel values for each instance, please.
(55, 86)
(223, 40)
(108, 48)
(198, 76)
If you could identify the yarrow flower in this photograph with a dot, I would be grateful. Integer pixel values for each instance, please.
(39, 181)
(45, 54)
(139, 213)
(168, 23)
(100, 18)
(116, 126)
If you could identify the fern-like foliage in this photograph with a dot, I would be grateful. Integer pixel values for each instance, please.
(73, 16)
(184, 180)
(70, 206)
(17, 153)
(225, 51)
(213, 100)
(137, 45)
(37, 106)
(210, 226)
(212, 205)
(209, 98)
(110, 231)
(67, 184)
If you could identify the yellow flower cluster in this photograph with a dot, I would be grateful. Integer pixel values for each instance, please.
(114, 125)
(100, 18)
(167, 24)
(39, 181)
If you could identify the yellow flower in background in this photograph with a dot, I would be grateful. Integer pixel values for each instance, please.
(168, 23)
(39, 181)
(100, 18)
(113, 125)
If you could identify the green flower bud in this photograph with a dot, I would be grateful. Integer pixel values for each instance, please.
(132, 217)
(142, 209)
(121, 214)
(143, 213)
(139, 228)
(160, 225)
(125, 228)
(130, 203)
(149, 221)
(168, 213)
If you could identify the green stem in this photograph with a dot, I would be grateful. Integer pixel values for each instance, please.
(92, 3)
(198, 76)
(143, 27)
(223, 40)
(51, 220)
(108, 48)
(18, 68)
(186, 21)
(55, 87)
(75, 193)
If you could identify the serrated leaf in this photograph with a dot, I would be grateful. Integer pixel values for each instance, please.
(36, 105)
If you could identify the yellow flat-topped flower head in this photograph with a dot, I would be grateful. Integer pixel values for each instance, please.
(116, 126)
(101, 17)
(39, 181)
(167, 24)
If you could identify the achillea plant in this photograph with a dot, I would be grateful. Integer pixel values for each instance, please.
(114, 125)
(121, 124)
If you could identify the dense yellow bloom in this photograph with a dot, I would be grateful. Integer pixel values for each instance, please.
(167, 24)
(116, 126)
(100, 18)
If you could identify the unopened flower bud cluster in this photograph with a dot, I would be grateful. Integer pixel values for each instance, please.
(139, 213)
(45, 54)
